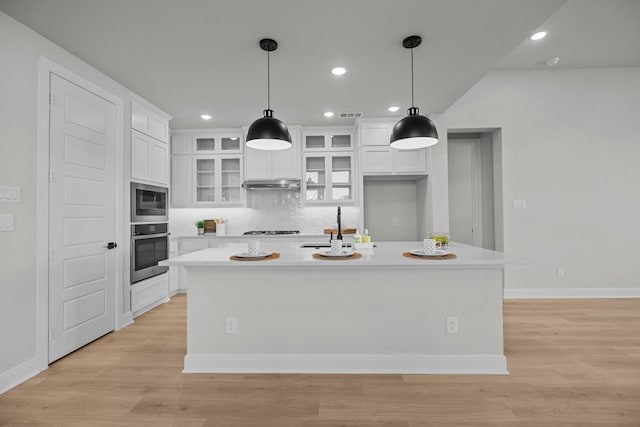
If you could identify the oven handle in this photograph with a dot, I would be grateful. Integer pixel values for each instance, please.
(149, 236)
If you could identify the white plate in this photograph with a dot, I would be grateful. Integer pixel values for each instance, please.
(262, 254)
(332, 255)
(438, 252)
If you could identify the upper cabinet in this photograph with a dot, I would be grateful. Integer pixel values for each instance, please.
(149, 148)
(280, 164)
(378, 158)
(214, 141)
(328, 178)
(149, 159)
(328, 165)
(150, 121)
(207, 168)
(327, 139)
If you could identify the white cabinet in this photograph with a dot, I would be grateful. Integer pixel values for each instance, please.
(328, 165)
(328, 178)
(281, 164)
(145, 119)
(181, 177)
(327, 139)
(149, 159)
(181, 144)
(378, 158)
(174, 274)
(207, 168)
(218, 180)
(149, 293)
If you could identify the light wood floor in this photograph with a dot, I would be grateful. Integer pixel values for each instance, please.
(572, 363)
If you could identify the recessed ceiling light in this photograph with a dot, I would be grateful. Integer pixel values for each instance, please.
(206, 117)
(539, 35)
(328, 114)
(338, 71)
(393, 108)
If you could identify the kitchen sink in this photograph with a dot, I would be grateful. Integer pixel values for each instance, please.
(322, 245)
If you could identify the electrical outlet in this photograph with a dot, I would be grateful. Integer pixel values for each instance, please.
(452, 325)
(560, 272)
(394, 222)
(232, 325)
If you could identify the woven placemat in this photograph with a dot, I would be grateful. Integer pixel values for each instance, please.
(436, 258)
(274, 255)
(354, 255)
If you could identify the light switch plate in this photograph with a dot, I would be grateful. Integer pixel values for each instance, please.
(6, 222)
(519, 204)
(9, 194)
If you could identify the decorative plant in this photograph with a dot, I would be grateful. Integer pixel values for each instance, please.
(199, 223)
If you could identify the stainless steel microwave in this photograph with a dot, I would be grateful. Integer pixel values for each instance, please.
(149, 203)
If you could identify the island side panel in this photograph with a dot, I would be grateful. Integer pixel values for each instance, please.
(315, 312)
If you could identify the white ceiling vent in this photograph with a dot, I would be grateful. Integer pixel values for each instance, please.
(350, 115)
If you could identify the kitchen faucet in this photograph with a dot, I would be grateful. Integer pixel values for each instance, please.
(339, 225)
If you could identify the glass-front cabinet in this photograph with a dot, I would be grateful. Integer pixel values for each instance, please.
(218, 180)
(315, 178)
(328, 178)
(327, 139)
(218, 142)
(207, 168)
(205, 180)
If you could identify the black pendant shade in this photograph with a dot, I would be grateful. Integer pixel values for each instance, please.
(414, 131)
(268, 133)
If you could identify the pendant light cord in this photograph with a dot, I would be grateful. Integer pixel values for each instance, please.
(412, 103)
(268, 83)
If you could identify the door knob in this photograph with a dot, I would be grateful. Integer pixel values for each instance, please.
(111, 245)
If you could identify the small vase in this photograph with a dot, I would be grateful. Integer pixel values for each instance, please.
(200, 231)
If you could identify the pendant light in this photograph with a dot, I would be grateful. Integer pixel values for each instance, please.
(414, 131)
(268, 133)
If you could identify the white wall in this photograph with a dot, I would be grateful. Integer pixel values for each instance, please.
(570, 148)
(386, 200)
(20, 51)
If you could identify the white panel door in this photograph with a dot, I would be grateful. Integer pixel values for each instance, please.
(81, 217)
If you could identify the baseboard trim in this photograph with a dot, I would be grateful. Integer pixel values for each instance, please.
(346, 364)
(125, 320)
(18, 374)
(572, 293)
(144, 309)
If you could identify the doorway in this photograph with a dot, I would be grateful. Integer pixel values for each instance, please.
(472, 199)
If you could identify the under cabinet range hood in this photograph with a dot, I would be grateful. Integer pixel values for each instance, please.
(272, 184)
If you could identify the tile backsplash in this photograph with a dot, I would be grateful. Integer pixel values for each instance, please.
(266, 210)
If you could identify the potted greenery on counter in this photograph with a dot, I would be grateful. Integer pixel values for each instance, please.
(200, 226)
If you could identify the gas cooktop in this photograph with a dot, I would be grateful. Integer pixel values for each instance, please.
(270, 232)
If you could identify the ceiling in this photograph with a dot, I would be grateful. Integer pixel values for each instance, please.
(191, 57)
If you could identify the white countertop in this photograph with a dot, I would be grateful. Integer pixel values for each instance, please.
(386, 254)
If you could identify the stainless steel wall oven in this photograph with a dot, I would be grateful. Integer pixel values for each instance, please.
(149, 245)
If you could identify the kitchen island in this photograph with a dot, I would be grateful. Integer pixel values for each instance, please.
(380, 313)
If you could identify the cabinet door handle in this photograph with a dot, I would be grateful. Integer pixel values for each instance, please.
(111, 245)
